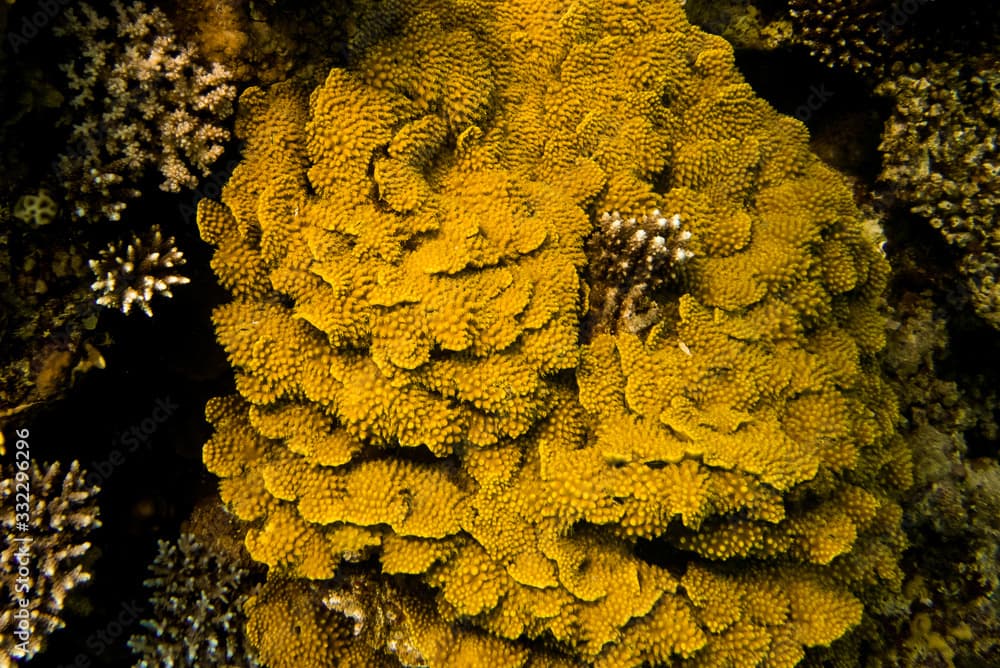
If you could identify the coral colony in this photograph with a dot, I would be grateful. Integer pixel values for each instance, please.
(198, 597)
(941, 158)
(62, 512)
(549, 342)
(149, 102)
(405, 319)
(133, 277)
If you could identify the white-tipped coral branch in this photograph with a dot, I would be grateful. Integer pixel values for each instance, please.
(133, 277)
(143, 99)
(629, 259)
(42, 556)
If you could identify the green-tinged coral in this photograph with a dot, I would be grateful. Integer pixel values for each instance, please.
(47, 516)
(405, 245)
(47, 315)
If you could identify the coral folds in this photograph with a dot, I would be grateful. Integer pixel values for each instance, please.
(404, 246)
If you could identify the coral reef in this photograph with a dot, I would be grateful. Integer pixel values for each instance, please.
(628, 260)
(952, 618)
(941, 160)
(404, 247)
(43, 557)
(142, 99)
(144, 270)
(198, 599)
(868, 36)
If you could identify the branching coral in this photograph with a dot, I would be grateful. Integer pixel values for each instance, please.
(144, 100)
(43, 555)
(854, 34)
(868, 36)
(405, 246)
(143, 271)
(628, 261)
(198, 600)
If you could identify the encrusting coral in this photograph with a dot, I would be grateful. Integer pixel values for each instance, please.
(405, 249)
(134, 277)
(950, 597)
(47, 314)
(142, 100)
(43, 555)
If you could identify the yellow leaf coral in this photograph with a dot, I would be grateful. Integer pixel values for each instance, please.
(404, 247)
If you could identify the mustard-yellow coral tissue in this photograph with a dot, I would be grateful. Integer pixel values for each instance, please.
(405, 247)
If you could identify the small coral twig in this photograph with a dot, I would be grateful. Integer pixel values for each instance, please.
(629, 259)
(138, 274)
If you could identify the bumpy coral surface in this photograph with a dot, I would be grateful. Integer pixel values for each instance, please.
(44, 543)
(405, 251)
(941, 155)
